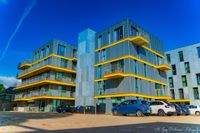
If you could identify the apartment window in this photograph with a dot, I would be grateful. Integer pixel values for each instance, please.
(168, 58)
(100, 41)
(174, 69)
(135, 66)
(138, 50)
(196, 93)
(171, 82)
(118, 33)
(198, 50)
(103, 55)
(99, 72)
(181, 58)
(184, 81)
(136, 84)
(198, 78)
(101, 87)
(187, 67)
(172, 94)
(61, 50)
(109, 38)
(145, 70)
(74, 53)
(42, 54)
(134, 31)
(47, 50)
(181, 93)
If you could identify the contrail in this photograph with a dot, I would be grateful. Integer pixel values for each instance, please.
(24, 15)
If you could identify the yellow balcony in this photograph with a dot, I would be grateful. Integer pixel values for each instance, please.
(164, 67)
(114, 75)
(43, 69)
(42, 82)
(24, 66)
(179, 101)
(44, 97)
(139, 40)
(131, 94)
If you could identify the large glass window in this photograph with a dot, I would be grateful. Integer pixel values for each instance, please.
(117, 66)
(118, 33)
(181, 93)
(184, 81)
(47, 50)
(99, 72)
(187, 67)
(171, 82)
(172, 94)
(181, 58)
(198, 78)
(174, 69)
(135, 66)
(42, 54)
(145, 70)
(109, 37)
(196, 93)
(198, 50)
(168, 58)
(134, 31)
(100, 41)
(61, 50)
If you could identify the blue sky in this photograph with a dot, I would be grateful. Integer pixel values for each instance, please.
(175, 22)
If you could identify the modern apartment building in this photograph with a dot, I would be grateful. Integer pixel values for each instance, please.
(120, 62)
(129, 64)
(48, 78)
(184, 78)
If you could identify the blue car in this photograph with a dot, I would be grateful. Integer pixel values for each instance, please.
(178, 109)
(138, 107)
(185, 110)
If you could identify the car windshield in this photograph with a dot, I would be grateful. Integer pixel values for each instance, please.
(145, 102)
(169, 104)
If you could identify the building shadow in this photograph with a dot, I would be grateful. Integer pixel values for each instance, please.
(156, 127)
(11, 118)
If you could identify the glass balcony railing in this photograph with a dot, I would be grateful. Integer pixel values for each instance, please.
(25, 64)
(55, 61)
(48, 76)
(46, 92)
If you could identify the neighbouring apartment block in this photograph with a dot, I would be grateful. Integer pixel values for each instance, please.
(120, 62)
(184, 78)
(48, 78)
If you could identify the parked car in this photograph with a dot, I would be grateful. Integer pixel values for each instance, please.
(194, 109)
(185, 110)
(63, 109)
(162, 108)
(138, 107)
(178, 109)
(181, 109)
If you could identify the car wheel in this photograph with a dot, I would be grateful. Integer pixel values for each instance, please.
(115, 112)
(197, 113)
(139, 113)
(161, 112)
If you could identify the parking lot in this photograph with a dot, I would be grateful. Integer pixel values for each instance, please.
(54, 122)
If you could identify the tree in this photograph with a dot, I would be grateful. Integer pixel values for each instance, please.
(2, 88)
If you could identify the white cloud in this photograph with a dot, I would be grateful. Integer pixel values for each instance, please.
(9, 81)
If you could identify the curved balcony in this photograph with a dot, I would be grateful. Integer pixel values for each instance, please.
(25, 64)
(163, 67)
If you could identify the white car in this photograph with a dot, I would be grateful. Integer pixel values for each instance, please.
(194, 109)
(162, 108)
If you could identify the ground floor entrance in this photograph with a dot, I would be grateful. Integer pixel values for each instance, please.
(43, 105)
